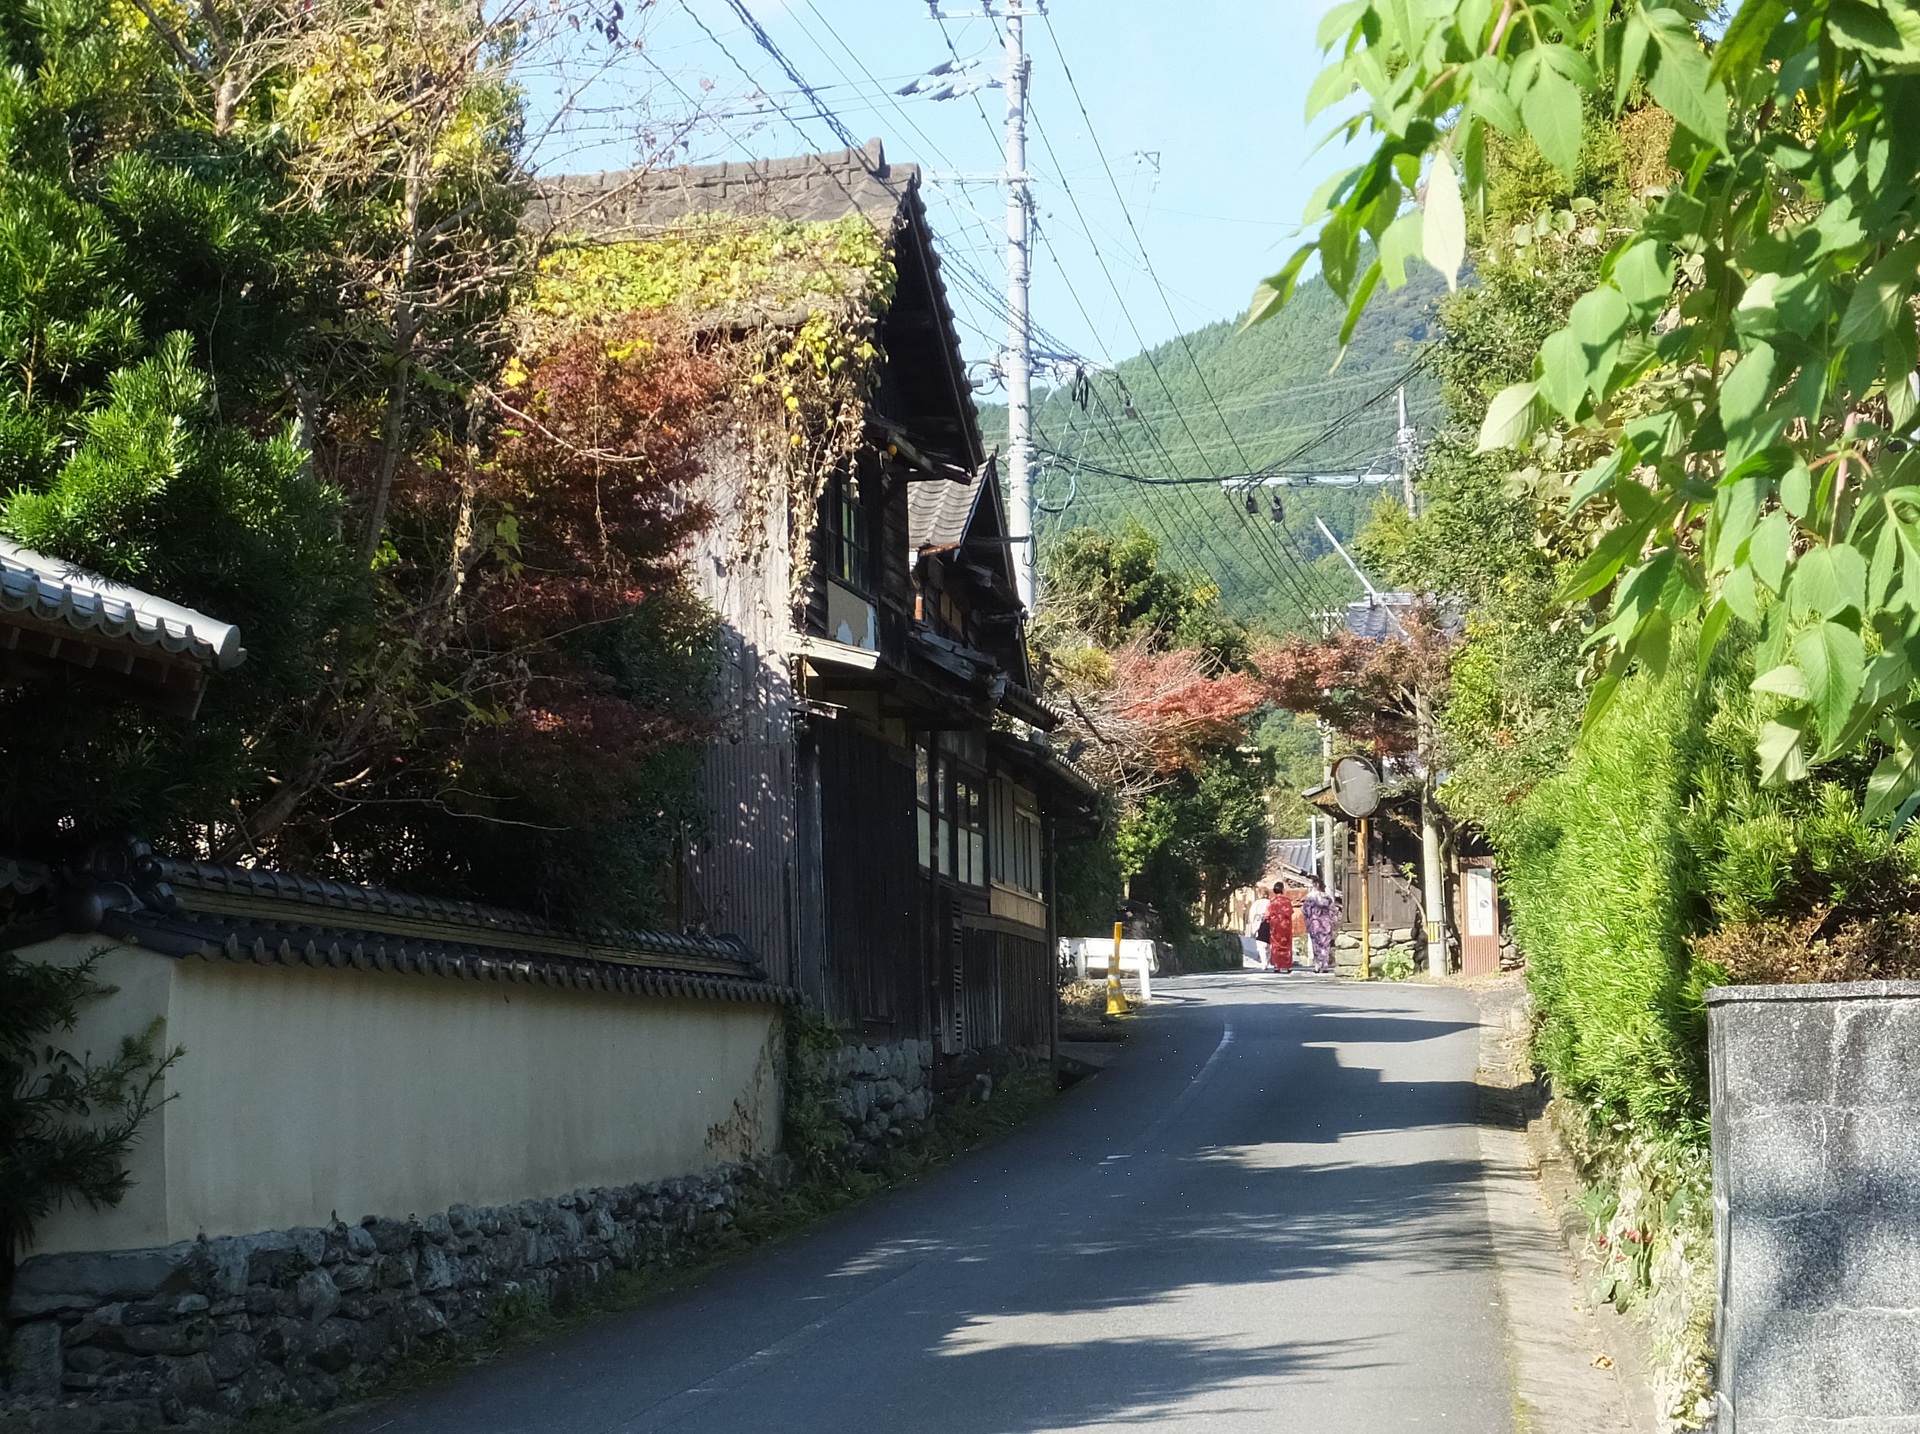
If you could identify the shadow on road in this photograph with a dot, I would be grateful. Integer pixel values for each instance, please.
(1161, 1244)
(1303, 1161)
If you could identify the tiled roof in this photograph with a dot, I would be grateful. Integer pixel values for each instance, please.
(1286, 854)
(1385, 615)
(636, 204)
(214, 938)
(59, 593)
(188, 909)
(938, 513)
(203, 886)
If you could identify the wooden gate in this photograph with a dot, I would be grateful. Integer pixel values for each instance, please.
(1392, 900)
(1479, 917)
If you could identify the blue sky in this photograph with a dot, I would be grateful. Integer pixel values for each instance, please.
(1197, 105)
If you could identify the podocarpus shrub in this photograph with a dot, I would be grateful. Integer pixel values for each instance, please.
(67, 1120)
(1652, 865)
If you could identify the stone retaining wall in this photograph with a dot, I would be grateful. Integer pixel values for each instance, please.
(142, 1340)
(886, 1092)
(1346, 946)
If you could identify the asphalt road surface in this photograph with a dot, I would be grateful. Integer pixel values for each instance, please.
(1266, 1216)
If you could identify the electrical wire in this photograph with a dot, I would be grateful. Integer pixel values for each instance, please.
(1073, 88)
(1200, 545)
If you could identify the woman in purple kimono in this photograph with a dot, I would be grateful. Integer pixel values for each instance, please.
(1320, 912)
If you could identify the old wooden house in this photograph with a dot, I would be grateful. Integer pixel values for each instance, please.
(881, 811)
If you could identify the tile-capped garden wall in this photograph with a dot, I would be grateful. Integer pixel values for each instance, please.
(1816, 1151)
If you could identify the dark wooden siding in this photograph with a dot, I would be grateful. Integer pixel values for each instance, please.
(1392, 900)
(1006, 991)
(868, 849)
(895, 580)
(738, 875)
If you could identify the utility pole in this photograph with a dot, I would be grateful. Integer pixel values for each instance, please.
(1433, 874)
(1403, 445)
(1019, 336)
(1328, 875)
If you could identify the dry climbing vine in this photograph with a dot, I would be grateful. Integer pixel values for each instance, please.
(789, 311)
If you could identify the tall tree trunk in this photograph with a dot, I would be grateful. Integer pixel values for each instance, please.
(406, 326)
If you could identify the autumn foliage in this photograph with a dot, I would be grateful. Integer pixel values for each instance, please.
(1169, 710)
(554, 712)
(593, 466)
(1363, 687)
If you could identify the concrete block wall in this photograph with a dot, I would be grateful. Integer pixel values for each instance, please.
(1816, 1153)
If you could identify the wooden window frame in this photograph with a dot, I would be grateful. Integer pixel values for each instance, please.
(849, 535)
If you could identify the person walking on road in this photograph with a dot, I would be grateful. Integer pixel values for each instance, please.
(1280, 929)
(1321, 911)
(1258, 928)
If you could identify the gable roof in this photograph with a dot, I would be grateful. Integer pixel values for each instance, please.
(636, 205)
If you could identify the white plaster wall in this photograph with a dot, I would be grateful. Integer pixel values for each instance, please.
(143, 985)
(305, 1095)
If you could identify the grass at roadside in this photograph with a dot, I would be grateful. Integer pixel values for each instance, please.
(762, 1216)
(1083, 1013)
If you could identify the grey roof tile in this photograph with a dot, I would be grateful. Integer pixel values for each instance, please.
(938, 512)
(51, 590)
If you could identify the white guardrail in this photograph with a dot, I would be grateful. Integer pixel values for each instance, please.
(1089, 955)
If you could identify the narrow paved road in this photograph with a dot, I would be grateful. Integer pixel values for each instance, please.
(1266, 1216)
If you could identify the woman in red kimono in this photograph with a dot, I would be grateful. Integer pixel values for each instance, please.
(1280, 930)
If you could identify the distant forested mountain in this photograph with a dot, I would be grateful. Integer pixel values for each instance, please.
(1277, 395)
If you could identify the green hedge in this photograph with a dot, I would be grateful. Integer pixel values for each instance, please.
(1604, 895)
(1654, 833)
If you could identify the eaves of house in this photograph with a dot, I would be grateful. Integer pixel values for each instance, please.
(59, 620)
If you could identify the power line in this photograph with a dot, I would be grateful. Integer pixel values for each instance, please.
(1289, 574)
(1296, 583)
(1073, 88)
(765, 41)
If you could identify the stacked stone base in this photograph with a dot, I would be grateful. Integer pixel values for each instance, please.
(1346, 946)
(183, 1335)
(886, 1093)
(191, 1334)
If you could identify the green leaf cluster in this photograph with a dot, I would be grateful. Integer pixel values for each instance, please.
(153, 296)
(1114, 589)
(1741, 371)
(1186, 848)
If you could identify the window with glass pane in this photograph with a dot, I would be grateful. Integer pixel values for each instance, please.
(943, 817)
(847, 521)
(1026, 849)
(1014, 827)
(970, 820)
